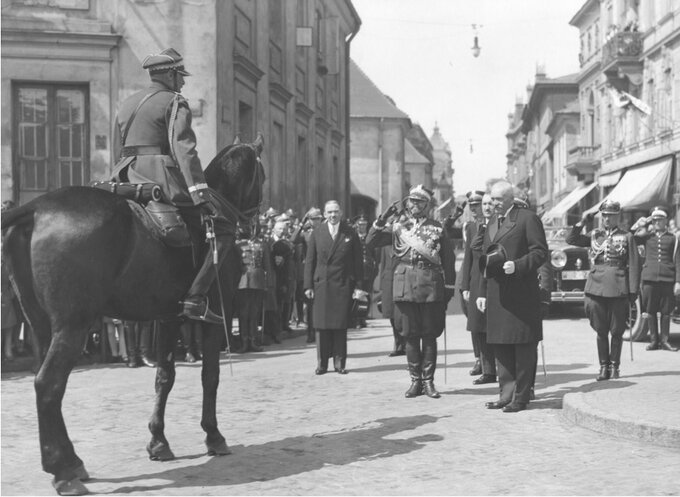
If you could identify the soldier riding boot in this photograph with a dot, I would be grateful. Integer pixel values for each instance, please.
(413, 358)
(429, 366)
(196, 305)
(252, 346)
(653, 331)
(603, 355)
(665, 333)
(615, 356)
(245, 342)
(132, 344)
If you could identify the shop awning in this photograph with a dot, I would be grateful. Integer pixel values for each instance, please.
(642, 187)
(559, 210)
(609, 179)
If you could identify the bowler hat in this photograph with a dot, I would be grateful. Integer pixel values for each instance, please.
(491, 263)
(610, 207)
(168, 60)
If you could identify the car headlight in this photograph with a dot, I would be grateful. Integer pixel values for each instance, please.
(558, 259)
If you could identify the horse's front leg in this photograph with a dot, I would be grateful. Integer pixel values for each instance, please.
(210, 377)
(58, 454)
(159, 448)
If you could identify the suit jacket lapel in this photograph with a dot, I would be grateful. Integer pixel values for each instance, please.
(492, 227)
(336, 242)
(508, 224)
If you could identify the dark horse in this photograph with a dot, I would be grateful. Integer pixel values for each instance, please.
(79, 253)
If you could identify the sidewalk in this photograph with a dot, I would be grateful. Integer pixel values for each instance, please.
(643, 404)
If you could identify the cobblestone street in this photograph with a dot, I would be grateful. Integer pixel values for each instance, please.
(294, 433)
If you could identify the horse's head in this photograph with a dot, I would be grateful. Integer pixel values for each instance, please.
(237, 174)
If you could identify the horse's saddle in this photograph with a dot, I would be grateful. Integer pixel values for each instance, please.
(162, 220)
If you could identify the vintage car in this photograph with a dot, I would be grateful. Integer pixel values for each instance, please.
(563, 278)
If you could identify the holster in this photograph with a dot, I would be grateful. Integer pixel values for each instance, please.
(173, 229)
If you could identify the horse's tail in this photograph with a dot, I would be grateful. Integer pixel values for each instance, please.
(17, 228)
(18, 215)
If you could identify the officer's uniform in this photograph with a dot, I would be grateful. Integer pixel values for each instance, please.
(424, 281)
(255, 264)
(370, 266)
(612, 280)
(156, 144)
(660, 272)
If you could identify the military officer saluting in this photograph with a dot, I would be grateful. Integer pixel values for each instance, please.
(156, 144)
(660, 275)
(612, 283)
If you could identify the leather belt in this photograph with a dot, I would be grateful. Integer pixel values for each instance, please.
(421, 264)
(143, 150)
(612, 264)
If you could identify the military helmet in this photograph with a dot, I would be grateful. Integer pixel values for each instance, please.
(168, 60)
(419, 192)
(610, 207)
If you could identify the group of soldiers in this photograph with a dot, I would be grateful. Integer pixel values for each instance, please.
(270, 291)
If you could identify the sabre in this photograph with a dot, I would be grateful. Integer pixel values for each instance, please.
(210, 235)
(446, 366)
(545, 372)
(630, 323)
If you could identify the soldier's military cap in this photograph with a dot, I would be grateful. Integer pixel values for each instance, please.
(474, 197)
(271, 212)
(610, 207)
(168, 60)
(314, 213)
(283, 218)
(291, 213)
(419, 192)
(659, 212)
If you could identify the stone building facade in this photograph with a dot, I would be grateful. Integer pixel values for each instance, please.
(280, 68)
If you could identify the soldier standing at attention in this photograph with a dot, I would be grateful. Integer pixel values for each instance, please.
(660, 275)
(156, 144)
(611, 285)
(424, 282)
(370, 266)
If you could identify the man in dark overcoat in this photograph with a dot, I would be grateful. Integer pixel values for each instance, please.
(510, 295)
(470, 286)
(333, 267)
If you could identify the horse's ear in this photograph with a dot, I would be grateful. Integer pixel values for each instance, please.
(259, 142)
(237, 140)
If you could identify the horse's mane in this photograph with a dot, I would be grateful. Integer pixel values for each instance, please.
(214, 169)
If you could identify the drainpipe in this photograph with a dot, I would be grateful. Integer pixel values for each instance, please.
(348, 193)
(380, 165)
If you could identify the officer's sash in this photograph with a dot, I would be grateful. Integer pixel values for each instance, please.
(424, 239)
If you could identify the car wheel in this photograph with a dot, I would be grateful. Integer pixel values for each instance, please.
(638, 331)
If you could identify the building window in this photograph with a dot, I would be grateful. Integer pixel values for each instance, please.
(245, 122)
(51, 129)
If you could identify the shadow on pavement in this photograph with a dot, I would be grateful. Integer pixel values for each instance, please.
(290, 456)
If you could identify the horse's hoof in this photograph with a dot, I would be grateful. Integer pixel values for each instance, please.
(70, 487)
(218, 448)
(81, 473)
(159, 452)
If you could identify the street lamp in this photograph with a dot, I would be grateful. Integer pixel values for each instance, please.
(476, 49)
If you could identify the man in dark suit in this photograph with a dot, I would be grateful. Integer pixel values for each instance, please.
(333, 267)
(469, 287)
(509, 294)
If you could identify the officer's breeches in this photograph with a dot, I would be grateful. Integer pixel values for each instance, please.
(607, 314)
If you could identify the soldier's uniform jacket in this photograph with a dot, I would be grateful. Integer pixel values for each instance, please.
(255, 263)
(160, 146)
(368, 258)
(425, 261)
(662, 261)
(614, 263)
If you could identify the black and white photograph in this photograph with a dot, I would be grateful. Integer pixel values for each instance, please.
(340, 247)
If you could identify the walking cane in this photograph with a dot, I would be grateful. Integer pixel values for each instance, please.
(545, 372)
(630, 336)
(210, 235)
(446, 366)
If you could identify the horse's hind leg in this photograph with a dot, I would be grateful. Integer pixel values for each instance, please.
(210, 377)
(158, 447)
(58, 454)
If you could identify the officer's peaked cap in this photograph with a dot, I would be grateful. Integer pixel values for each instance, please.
(610, 207)
(271, 212)
(314, 213)
(474, 197)
(168, 60)
(659, 212)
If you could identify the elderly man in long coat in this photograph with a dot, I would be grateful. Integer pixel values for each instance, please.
(333, 267)
(510, 294)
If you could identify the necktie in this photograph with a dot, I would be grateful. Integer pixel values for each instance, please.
(334, 231)
(500, 220)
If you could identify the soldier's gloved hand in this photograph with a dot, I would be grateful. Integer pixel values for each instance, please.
(309, 293)
(632, 297)
(389, 212)
(466, 295)
(481, 304)
(208, 209)
(460, 208)
(587, 217)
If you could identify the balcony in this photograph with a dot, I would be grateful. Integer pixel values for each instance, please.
(621, 59)
(583, 161)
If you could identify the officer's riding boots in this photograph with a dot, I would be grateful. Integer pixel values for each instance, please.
(195, 305)
(413, 359)
(650, 319)
(615, 355)
(603, 356)
(132, 344)
(665, 333)
(429, 366)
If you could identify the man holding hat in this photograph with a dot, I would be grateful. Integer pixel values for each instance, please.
(660, 275)
(424, 282)
(611, 285)
(469, 286)
(515, 247)
(154, 138)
